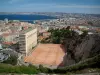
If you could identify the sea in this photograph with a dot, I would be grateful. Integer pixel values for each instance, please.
(26, 18)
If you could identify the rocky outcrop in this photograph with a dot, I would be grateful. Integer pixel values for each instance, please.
(88, 48)
(82, 48)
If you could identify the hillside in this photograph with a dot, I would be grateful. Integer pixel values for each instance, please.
(79, 49)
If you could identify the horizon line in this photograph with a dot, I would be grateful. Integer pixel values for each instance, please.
(47, 12)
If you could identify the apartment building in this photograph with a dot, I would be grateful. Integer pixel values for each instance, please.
(27, 40)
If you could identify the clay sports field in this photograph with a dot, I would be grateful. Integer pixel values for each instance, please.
(47, 54)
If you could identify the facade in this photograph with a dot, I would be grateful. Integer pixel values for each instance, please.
(27, 40)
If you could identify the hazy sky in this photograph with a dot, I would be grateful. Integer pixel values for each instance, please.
(69, 6)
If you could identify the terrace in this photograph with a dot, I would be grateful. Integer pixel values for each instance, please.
(49, 55)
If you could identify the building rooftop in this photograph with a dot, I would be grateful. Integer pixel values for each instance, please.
(26, 30)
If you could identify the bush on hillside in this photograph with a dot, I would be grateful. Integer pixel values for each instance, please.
(11, 60)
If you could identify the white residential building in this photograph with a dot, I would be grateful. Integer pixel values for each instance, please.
(27, 40)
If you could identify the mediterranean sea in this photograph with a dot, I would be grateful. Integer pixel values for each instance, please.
(27, 18)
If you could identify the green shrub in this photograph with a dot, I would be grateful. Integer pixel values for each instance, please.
(43, 69)
(4, 68)
(11, 60)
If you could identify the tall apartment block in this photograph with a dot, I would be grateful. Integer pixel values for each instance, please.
(27, 40)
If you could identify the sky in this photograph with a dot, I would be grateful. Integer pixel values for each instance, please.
(68, 6)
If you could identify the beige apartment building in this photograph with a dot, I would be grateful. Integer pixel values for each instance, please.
(27, 40)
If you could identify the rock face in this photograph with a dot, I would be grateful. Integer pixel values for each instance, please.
(82, 48)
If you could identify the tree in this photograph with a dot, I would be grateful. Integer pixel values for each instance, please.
(58, 35)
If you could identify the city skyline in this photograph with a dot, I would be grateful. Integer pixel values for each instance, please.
(68, 6)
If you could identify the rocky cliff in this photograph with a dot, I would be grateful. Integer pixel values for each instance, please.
(79, 48)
